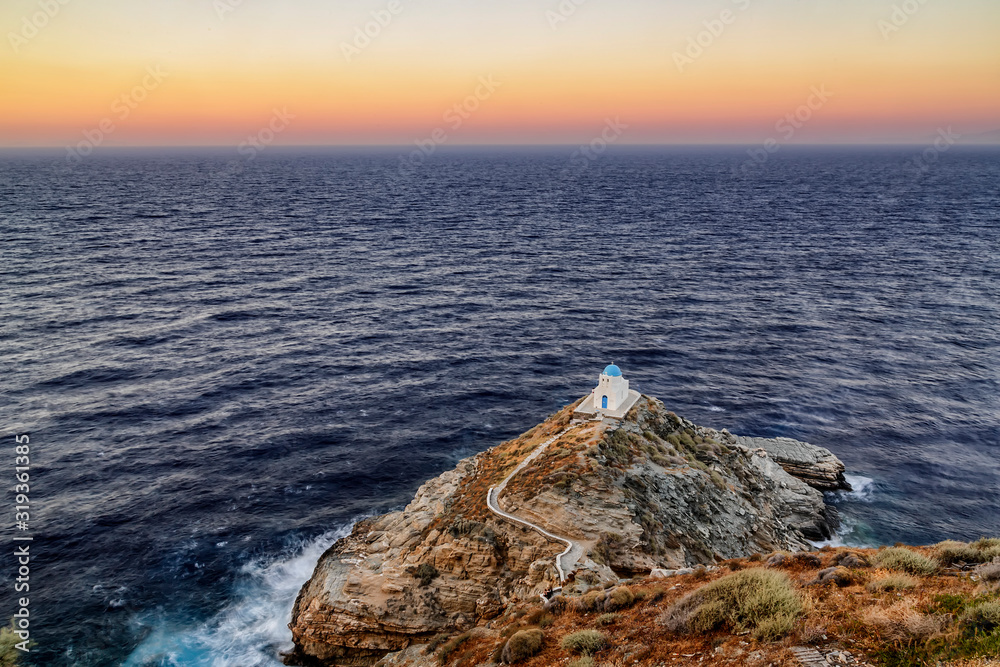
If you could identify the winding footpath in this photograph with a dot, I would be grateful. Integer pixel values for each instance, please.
(574, 550)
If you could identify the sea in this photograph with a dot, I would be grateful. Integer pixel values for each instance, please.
(222, 363)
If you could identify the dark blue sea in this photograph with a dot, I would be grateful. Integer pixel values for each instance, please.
(221, 364)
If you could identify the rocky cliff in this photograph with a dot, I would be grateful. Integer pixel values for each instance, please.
(648, 492)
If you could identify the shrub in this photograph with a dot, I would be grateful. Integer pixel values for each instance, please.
(756, 600)
(902, 622)
(556, 604)
(655, 594)
(984, 617)
(989, 571)
(952, 551)
(807, 559)
(436, 641)
(10, 655)
(585, 661)
(981, 551)
(852, 559)
(593, 600)
(619, 598)
(774, 628)
(451, 645)
(892, 582)
(838, 575)
(607, 619)
(522, 646)
(585, 642)
(426, 573)
(902, 559)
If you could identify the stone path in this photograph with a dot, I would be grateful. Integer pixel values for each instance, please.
(573, 551)
(811, 657)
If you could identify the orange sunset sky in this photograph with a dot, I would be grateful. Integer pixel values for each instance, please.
(212, 72)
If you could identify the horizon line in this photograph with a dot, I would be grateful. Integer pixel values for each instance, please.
(445, 147)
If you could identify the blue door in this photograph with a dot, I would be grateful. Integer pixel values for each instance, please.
(604, 402)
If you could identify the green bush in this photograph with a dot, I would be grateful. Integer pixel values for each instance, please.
(426, 573)
(981, 551)
(983, 618)
(902, 559)
(522, 645)
(952, 551)
(585, 642)
(892, 582)
(585, 661)
(774, 628)
(607, 619)
(10, 655)
(755, 600)
(593, 601)
(986, 543)
(620, 598)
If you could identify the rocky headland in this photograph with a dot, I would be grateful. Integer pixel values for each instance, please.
(651, 494)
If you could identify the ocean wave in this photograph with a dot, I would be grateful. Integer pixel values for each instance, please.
(252, 630)
(863, 489)
(852, 533)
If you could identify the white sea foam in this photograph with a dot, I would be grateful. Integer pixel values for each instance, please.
(252, 630)
(863, 488)
(847, 536)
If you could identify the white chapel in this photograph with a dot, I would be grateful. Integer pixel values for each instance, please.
(611, 397)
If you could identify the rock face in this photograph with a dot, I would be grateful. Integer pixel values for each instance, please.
(648, 491)
(816, 466)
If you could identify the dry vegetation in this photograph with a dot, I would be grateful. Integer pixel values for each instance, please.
(896, 606)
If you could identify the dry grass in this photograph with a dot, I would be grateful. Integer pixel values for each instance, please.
(952, 552)
(902, 559)
(902, 621)
(881, 618)
(989, 571)
(892, 582)
(755, 600)
(585, 642)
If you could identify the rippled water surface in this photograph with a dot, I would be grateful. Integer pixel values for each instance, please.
(221, 366)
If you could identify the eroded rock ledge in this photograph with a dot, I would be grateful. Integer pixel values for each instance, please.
(652, 490)
(816, 466)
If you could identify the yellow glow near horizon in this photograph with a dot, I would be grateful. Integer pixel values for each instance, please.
(220, 69)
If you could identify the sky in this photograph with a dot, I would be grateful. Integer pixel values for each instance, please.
(339, 72)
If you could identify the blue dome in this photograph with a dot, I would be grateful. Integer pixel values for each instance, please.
(613, 371)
